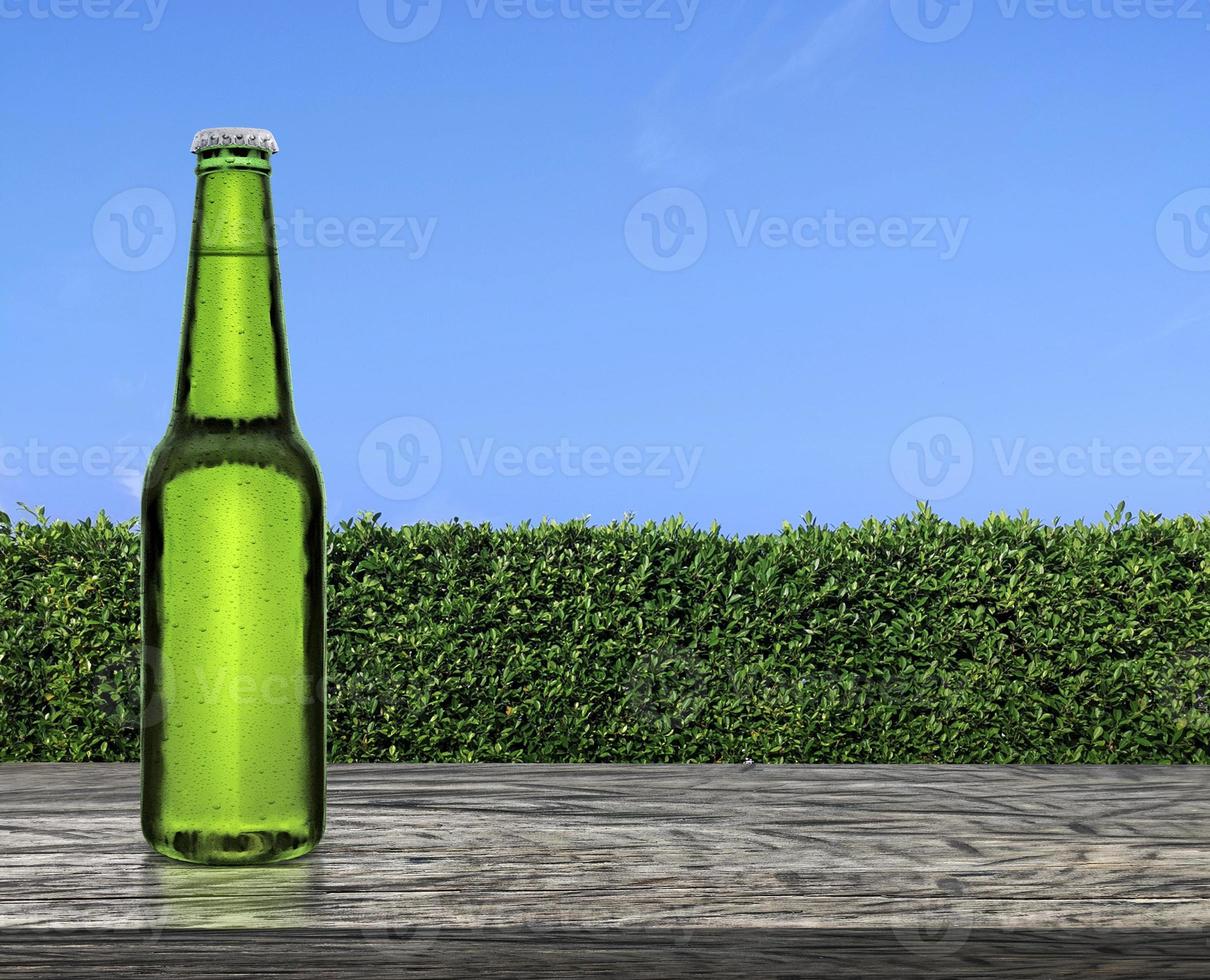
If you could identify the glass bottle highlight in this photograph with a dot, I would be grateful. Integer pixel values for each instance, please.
(233, 528)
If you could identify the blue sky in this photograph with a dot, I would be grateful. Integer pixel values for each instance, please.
(735, 261)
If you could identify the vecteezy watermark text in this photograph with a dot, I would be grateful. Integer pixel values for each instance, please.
(565, 459)
(136, 231)
(934, 459)
(37, 459)
(835, 230)
(413, 234)
(404, 21)
(303, 230)
(934, 21)
(148, 12)
(1100, 459)
(403, 458)
(669, 229)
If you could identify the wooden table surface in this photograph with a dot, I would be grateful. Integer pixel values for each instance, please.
(637, 871)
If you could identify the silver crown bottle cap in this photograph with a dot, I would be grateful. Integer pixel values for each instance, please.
(256, 139)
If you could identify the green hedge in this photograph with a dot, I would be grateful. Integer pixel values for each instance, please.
(911, 640)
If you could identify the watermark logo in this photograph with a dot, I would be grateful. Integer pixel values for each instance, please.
(401, 459)
(667, 230)
(668, 690)
(135, 230)
(934, 458)
(404, 21)
(413, 235)
(1101, 460)
(114, 684)
(680, 13)
(938, 942)
(1183, 230)
(932, 21)
(401, 21)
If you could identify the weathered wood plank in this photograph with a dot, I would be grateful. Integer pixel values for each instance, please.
(644, 871)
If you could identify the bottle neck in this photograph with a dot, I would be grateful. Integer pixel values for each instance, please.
(233, 366)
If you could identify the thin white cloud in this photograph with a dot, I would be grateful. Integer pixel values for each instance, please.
(657, 142)
(131, 481)
(1193, 316)
(1196, 315)
(699, 94)
(831, 35)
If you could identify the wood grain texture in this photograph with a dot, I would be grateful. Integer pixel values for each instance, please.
(633, 871)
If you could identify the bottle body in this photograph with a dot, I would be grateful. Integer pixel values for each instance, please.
(233, 528)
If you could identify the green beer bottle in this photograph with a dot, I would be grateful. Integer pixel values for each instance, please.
(233, 532)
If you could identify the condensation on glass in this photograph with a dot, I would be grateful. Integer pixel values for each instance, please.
(233, 530)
